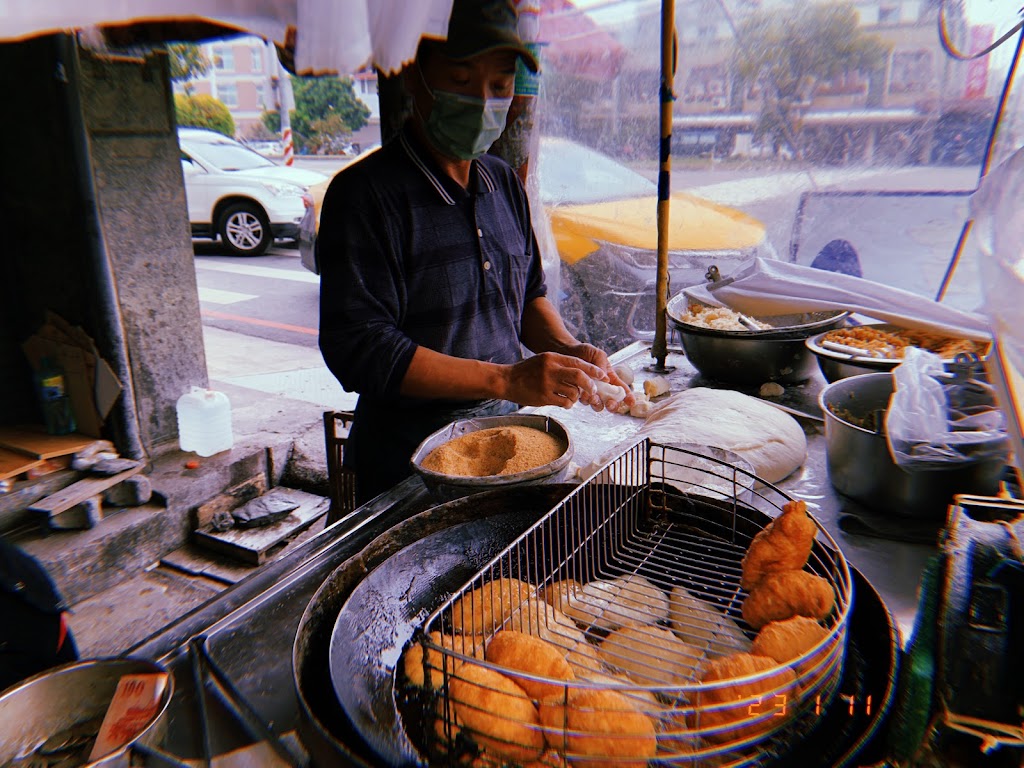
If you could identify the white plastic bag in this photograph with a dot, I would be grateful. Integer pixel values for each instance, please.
(936, 418)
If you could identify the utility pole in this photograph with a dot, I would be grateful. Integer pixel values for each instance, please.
(284, 102)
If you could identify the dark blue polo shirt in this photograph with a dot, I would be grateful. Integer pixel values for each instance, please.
(408, 257)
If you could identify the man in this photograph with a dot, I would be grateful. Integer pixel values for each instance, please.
(431, 277)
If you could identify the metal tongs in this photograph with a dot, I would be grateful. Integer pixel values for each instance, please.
(713, 275)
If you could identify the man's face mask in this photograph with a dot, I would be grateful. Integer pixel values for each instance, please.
(464, 127)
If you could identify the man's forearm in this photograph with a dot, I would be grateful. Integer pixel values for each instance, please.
(435, 375)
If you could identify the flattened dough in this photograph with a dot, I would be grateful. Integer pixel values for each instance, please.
(772, 441)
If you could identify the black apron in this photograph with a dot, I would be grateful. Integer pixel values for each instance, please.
(384, 437)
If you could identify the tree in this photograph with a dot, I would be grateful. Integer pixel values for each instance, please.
(788, 55)
(187, 62)
(204, 111)
(326, 111)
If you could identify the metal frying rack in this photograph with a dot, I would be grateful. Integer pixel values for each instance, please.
(634, 531)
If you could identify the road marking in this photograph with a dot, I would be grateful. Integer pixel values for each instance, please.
(255, 321)
(216, 296)
(254, 271)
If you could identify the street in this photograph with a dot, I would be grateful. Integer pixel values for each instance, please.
(903, 240)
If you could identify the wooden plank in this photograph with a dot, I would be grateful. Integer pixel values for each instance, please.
(34, 441)
(196, 561)
(78, 492)
(254, 545)
(14, 463)
(235, 496)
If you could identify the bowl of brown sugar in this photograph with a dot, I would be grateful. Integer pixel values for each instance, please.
(491, 452)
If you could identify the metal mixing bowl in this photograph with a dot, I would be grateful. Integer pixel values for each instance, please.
(53, 701)
(836, 365)
(861, 467)
(777, 354)
(453, 486)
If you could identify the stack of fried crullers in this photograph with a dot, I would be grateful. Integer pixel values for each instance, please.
(575, 659)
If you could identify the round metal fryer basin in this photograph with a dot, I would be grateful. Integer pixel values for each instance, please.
(842, 736)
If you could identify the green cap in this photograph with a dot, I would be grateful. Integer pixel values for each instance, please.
(479, 26)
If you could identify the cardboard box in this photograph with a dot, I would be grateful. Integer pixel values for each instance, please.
(91, 384)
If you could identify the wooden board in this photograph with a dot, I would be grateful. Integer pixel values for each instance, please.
(78, 492)
(254, 545)
(34, 441)
(14, 463)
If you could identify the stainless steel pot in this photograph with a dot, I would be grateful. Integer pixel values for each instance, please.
(861, 467)
(53, 701)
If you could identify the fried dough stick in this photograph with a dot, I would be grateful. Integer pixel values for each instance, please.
(784, 545)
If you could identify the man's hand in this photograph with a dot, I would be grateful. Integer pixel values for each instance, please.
(593, 355)
(551, 378)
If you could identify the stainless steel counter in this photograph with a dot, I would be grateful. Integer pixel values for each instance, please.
(250, 628)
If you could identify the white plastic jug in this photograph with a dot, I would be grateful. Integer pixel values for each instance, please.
(204, 421)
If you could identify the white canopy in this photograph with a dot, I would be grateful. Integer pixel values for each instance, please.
(327, 36)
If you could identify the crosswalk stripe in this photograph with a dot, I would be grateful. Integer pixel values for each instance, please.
(254, 271)
(216, 296)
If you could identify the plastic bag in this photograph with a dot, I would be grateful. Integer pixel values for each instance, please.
(936, 418)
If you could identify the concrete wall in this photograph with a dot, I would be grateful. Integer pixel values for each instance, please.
(92, 207)
(129, 117)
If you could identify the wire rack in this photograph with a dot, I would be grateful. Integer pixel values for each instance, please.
(634, 579)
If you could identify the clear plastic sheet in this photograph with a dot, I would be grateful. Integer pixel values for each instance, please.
(938, 418)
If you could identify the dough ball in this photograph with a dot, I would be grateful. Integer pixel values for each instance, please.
(412, 659)
(771, 441)
(747, 709)
(610, 604)
(519, 652)
(650, 655)
(496, 713)
(783, 595)
(700, 624)
(786, 640)
(536, 617)
(483, 610)
(594, 727)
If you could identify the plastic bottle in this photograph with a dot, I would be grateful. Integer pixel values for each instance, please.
(54, 399)
(204, 422)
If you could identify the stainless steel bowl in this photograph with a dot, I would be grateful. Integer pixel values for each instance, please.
(777, 354)
(453, 486)
(836, 365)
(53, 701)
(861, 467)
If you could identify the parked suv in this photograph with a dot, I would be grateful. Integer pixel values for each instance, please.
(238, 195)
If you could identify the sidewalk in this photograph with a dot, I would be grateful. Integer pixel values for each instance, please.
(278, 393)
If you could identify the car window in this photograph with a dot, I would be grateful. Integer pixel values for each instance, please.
(229, 156)
(572, 174)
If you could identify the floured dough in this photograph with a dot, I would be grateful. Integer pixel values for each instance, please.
(650, 655)
(772, 441)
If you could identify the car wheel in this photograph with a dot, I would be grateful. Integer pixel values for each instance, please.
(244, 230)
(574, 306)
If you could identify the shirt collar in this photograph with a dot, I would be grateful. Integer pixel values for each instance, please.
(483, 180)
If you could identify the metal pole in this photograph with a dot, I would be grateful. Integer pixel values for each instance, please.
(285, 100)
(668, 26)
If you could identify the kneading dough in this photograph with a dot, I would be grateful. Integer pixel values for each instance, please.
(772, 441)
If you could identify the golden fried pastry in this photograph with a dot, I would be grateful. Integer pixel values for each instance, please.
(784, 545)
(536, 617)
(483, 610)
(594, 727)
(496, 713)
(412, 659)
(525, 653)
(755, 706)
(783, 595)
(699, 623)
(650, 655)
(786, 640)
(583, 658)
(610, 604)
(643, 701)
(558, 592)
